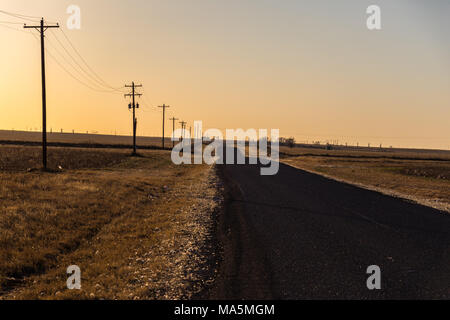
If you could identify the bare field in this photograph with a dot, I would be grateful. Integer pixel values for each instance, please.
(422, 176)
(19, 158)
(138, 227)
(361, 152)
(80, 138)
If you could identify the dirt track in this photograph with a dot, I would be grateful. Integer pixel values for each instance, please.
(298, 235)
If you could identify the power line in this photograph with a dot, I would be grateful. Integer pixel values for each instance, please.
(86, 75)
(18, 14)
(26, 17)
(11, 22)
(103, 83)
(96, 84)
(91, 84)
(21, 16)
(72, 76)
(87, 65)
(11, 28)
(147, 108)
(93, 88)
(68, 72)
(146, 104)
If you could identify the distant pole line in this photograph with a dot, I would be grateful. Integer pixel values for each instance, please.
(133, 105)
(42, 28)
(173, 131)
(164, 107)
(183, 127)
(83, 69)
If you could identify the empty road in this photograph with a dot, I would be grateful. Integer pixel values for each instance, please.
(297, 235)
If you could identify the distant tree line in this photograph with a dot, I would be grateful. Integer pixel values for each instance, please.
(287, 142)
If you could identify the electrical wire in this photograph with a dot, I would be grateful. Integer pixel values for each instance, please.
(71, 75)
(21, 16)
(35, 19)
(11, 28)
(86, 75)
(95, 78)
(145, 104)
(63, 68)
(11, 22)
(58, 62)
(120, 89)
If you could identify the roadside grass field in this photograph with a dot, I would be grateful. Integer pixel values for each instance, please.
(363, 152)
(27, 137)
(422, 176)
(138, 227)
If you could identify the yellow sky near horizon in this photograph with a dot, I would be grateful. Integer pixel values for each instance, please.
(311, 69)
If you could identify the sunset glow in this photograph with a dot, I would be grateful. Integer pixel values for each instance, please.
(308, 68)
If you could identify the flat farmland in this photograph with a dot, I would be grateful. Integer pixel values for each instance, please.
(84, 139)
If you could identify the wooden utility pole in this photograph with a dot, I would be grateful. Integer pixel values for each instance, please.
(173, 132)
(164, 119)
(42, 28)
(183, 127)
(133, 105)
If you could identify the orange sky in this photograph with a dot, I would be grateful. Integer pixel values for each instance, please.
(311, 69)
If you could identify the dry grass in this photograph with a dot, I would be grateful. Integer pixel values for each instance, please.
(394, 173)
(365, 153)
(19, 158)
(128, 222)
(79, 138)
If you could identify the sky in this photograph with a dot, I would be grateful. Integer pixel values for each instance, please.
(309, 68)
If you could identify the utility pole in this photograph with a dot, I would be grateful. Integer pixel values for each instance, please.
(42, 28)
(164, 119)
(183, 127)
(173, 132)
(133, 94)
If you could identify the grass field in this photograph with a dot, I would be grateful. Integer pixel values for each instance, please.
(363, 152)
(84, 139)
(138, 227)
(419, 175)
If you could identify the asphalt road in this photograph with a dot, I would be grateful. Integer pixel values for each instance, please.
(297, 235)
